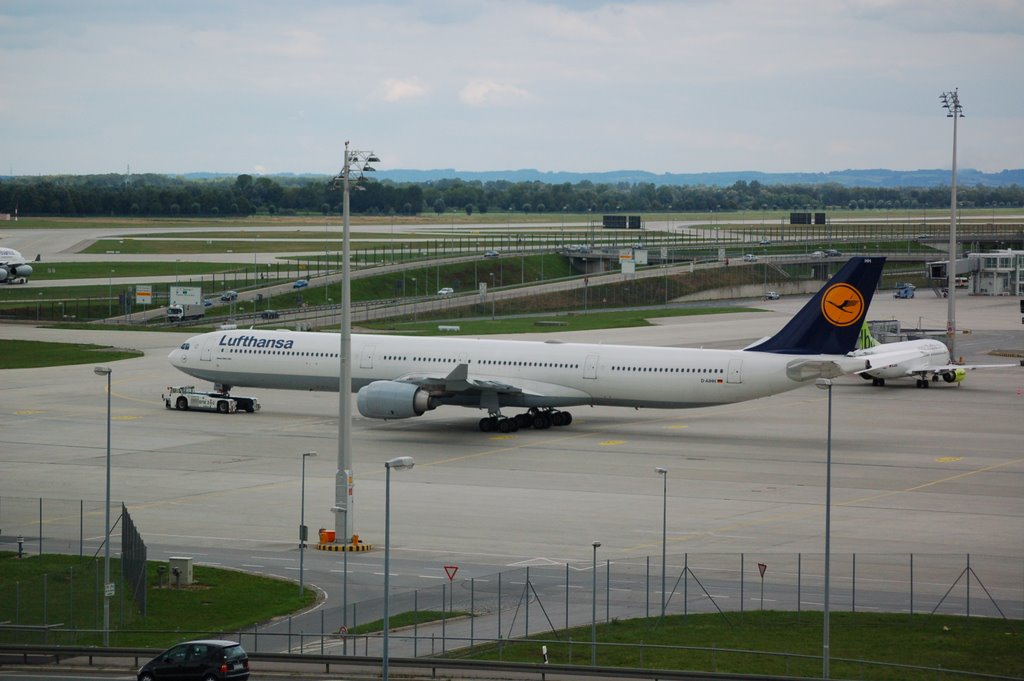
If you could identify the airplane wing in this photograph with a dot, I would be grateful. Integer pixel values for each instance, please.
(805, 369)
(887, 360)
(459, 382)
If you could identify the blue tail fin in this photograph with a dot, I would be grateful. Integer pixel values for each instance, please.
(830, 323)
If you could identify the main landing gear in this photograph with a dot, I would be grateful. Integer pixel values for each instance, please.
(534, 418)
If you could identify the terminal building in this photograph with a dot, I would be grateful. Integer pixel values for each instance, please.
(995, 273)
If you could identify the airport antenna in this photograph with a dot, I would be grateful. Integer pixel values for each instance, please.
(951, 103)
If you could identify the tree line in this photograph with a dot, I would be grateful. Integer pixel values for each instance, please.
(153, 195)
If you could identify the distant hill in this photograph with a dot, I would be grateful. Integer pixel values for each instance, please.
(849, 178)
(878, 177)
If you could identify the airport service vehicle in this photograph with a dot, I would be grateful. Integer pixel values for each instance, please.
(228, 296)
(202, 660)
(397, 377)
(179, 313)
(446, 291)
(187, 397)
(750, 257)
(904, 292)
(772, 295)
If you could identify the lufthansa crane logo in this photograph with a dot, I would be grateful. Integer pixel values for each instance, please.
(842, 305)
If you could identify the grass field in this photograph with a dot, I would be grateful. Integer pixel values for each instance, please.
(27, 354)
(223, 602)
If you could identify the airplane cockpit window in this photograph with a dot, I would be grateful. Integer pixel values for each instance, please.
(184, 346)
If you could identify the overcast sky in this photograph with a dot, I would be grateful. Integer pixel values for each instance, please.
(254, 86)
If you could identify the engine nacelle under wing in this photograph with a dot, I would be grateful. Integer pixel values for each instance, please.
(23, 270)
(954, 376)
(392, 400)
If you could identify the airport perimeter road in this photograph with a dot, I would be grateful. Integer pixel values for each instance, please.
(938, 471)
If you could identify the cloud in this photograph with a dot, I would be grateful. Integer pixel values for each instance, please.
(395, 89)
(489, 93)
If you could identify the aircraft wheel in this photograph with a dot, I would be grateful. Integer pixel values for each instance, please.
(182, 404)
(566, 418)
(523, 420)
(541, 421)
(505, 425)
(486, 424)
(558, 418)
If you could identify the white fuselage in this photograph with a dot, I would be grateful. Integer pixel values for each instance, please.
(919, 356)
(550, 374)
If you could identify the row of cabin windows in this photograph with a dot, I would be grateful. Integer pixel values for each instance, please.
(492, 362)
(487, 362)
(673, 370)
(263, 351)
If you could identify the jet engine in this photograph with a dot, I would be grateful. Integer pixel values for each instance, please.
(393, 400)
(13, 271)
(954, 376)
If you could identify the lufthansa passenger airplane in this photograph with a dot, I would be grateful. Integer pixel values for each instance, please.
(14, 269)
(925, 359)
(398, 377)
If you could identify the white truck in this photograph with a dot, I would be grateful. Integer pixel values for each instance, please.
(187, 397)
(181, 312)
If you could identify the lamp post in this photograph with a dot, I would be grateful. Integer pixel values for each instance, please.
(663, 472)
(399, 463)
(303, 532)
(593, 611)
(110, 293)
(106, 371)
(826, 384)
(951, 103)
(492, 296)
(416, 288)
(343, 498)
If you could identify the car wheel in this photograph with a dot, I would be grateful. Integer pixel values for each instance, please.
(146, 676)
(182, 403)
(222, 407)
(210, 677)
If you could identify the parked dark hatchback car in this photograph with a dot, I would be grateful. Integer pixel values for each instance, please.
(205, 660)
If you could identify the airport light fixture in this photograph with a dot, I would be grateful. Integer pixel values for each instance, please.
(303, 532)
(357, 162)
(826, 384)
(399, 463)
(593, 610)
(951, 103)
(107, 586)
(663, 472)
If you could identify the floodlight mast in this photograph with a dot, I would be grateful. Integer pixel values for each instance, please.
(344, 497)
(951, 103)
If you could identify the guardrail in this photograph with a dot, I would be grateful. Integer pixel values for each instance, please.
(59, 657)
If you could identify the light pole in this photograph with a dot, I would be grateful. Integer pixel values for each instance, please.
(110, 293)
(593, 611)
(663, 472)
(826, 384)
(416, 295)
(303, 532)
(492, 296)
(106, 371)
(399, 463)
(951, 103)
(343, 498)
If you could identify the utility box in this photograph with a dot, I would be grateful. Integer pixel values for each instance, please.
(181, 570)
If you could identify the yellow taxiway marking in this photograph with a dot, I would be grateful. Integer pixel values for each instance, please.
(29, 412)
(948, 459)
(609, 443)
(501, 437)
(677, 426)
